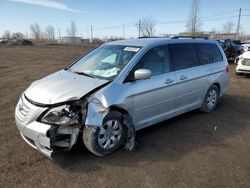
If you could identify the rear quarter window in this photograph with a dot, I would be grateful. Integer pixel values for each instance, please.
(208, 53)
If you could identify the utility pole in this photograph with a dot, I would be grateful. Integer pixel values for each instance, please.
(87, 34)
(91, 33)
(59, 39)
(123, 31)
(139, 27)
(238, 25)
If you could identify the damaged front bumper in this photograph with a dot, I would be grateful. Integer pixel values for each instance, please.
(46, 138)
(43, 137)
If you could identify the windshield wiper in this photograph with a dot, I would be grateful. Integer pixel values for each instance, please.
(82, 73)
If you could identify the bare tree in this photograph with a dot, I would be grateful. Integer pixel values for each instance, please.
(36, 31)
(17, 35)
(6, 34)
(146, 26)
(194, 20)
(72, 31)
(228, 27)
(50, 34)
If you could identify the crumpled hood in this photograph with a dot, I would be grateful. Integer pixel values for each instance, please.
(61, 86)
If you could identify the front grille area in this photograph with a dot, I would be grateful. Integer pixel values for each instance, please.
(246, 62)
(24, 110)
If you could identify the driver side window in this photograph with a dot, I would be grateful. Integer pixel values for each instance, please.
(156, 60)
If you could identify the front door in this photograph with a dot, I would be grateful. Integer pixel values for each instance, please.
(154, 98)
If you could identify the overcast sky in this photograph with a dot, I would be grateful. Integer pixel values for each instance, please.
(107, 17)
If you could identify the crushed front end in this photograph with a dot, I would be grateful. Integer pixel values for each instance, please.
(50, 128)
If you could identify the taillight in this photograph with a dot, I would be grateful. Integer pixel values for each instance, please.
(227, 69)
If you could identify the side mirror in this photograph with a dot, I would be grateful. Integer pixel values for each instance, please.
(142, 74)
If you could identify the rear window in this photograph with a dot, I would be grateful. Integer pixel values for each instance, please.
(183, 55)
(208, 53)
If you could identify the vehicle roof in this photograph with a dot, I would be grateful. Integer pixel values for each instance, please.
(142, 42)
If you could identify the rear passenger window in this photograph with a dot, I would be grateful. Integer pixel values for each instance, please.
(208, 53)
(183, 55)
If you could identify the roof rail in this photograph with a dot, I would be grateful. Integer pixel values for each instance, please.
(187, 37)
(145, 37)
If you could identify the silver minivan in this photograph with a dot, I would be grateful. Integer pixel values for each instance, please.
(119, 88)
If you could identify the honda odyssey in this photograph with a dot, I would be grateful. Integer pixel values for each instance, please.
(119, 88)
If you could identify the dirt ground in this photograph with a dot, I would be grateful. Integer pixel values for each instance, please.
(192, 150)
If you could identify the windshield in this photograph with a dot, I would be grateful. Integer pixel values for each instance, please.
(105, 62)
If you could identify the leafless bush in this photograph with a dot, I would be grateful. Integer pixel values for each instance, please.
(147, 26)
(17, 35)
(50, 34)
(6, 34)
(36, 31)
(228, 27)
(72, 31)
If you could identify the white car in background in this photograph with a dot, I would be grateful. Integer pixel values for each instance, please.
(245, 47)
(243, 63)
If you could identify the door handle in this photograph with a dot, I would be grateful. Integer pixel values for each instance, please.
(183, 77)
(168, 81)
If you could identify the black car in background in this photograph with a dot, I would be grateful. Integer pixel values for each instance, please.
(232, 48)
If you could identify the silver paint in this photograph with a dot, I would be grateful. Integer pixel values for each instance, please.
(145, 102)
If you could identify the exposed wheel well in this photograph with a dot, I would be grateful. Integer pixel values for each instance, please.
(218, 85)
(119, 109)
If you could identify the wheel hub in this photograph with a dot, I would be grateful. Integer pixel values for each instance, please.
(211, 98)
(110, 134)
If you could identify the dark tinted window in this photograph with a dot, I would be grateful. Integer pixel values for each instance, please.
(183, 55)
(227, 43)
(156, 60)
(208, 53)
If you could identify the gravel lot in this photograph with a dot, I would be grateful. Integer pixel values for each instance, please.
(192, 150)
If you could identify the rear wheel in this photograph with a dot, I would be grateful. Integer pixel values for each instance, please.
(107, 138)
(211, 99)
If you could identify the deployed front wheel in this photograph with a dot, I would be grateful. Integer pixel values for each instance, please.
(107, 138)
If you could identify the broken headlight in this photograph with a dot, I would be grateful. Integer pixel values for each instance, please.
(64, 115)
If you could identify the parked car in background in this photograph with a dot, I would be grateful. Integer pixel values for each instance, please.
(245, 47)
(118, 88)
(236, 42)
(231, 49)
(15, 42)
(243, 63)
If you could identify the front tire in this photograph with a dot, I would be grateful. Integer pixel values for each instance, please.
(107, 138)
(211, 99)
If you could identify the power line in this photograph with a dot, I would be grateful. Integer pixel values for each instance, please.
(204, 18)
(221, 18)
(171, 22)
(220, 14)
